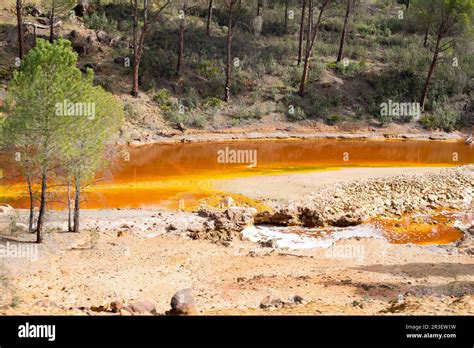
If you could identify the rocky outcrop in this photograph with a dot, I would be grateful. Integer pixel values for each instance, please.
(224, 225)
(349, 204)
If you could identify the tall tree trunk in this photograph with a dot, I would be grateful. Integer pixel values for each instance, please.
(259, 7)
(19, 19)
(77, 208)
(182, 28)
(69, 220)
(209, 18)
(309, 49)
(134, 91)
(139, 43)
(300, 43)
(228, 70)
(344, 30)
(42, 210)
(141, 46)
(427, 34)
(51, 24)
(430, 72)
(32, 211)
(286, 16)
(309, 29)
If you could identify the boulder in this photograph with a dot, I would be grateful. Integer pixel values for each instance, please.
(298, 299)
(271, 243)
(43, 20)
(81, 47)
(171, 227)
(92, 66)
(47, 21)
(224, 225)
(285, 217)
(117, 42)
(103, 37)
(119, 60)
(73, 34)
(143, 307)
(271, 302)
(116, 306)
(84, 7)
(182, 303)
(103, 307)
(346, 220)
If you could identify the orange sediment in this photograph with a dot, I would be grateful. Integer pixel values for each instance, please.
(167, 175)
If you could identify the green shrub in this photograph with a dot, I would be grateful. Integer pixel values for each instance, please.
(384, 119)
(443, 117)
(295, 114)
(131, 113)
(198, 121)
(350, 69)
(174, 115)
(213, 102)
(315, 72)
(238, 84)
(293, 76)
(256, 111)
(208, 69)
(99, 21)
(158, 63)
(215, 87)
(162, 97)
(315, 104)
(365, 29)
(356, 50)
(334, 119)
(191, 101)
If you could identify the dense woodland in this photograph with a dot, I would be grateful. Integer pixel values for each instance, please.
(203, 59)
(343, 63)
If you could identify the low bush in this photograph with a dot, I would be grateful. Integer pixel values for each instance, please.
(99, 21)
(443, 117)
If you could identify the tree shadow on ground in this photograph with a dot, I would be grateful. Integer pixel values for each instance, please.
(421, 270)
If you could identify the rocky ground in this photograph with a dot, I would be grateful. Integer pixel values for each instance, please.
(133, 261)
(351, 203)
(87, 274)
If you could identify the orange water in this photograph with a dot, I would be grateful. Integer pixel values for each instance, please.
(437, 229)
(164, 175)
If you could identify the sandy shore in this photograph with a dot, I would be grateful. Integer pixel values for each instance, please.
(281, 188)
(303, 133)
